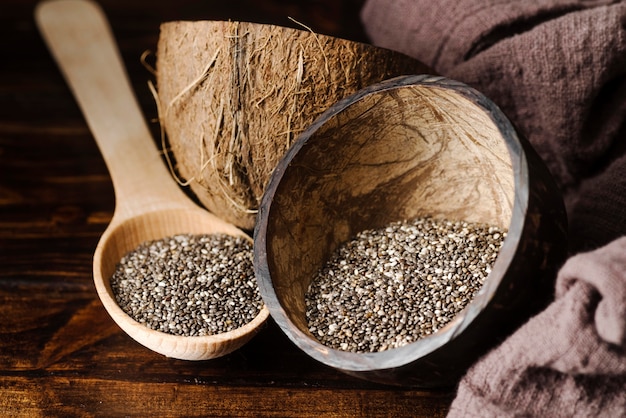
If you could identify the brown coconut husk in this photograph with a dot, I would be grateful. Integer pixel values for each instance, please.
(233, 96)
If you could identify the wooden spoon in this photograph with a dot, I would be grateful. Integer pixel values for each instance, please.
(149, 204)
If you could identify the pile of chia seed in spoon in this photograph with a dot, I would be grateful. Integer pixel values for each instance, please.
(191, 285)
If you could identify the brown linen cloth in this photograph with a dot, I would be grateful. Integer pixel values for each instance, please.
(557, 68)
(569, 360)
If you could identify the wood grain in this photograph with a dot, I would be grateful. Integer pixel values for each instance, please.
(60, 353)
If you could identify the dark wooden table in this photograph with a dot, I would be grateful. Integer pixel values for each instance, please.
(60, 353)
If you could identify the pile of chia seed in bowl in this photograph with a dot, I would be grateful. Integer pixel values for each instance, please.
(189, 285)
(391, 286)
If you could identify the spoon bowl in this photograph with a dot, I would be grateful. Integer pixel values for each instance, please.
(149, 204)
(124, 235)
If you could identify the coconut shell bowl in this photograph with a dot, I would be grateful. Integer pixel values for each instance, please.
(408, 147)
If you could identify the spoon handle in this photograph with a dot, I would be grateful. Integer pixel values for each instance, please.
(80, 39)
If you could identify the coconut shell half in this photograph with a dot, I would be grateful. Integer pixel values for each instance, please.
(233, 96)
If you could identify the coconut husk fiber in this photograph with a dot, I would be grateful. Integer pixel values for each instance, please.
(233, 96)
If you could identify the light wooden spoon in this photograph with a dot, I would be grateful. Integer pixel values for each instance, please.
(149, 204)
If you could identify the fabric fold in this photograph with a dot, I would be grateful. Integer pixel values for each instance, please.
(566, 361)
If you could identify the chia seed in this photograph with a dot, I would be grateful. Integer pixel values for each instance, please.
(389, 287)
(190, 285)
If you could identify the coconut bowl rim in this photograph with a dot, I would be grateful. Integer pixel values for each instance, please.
(396, 357)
